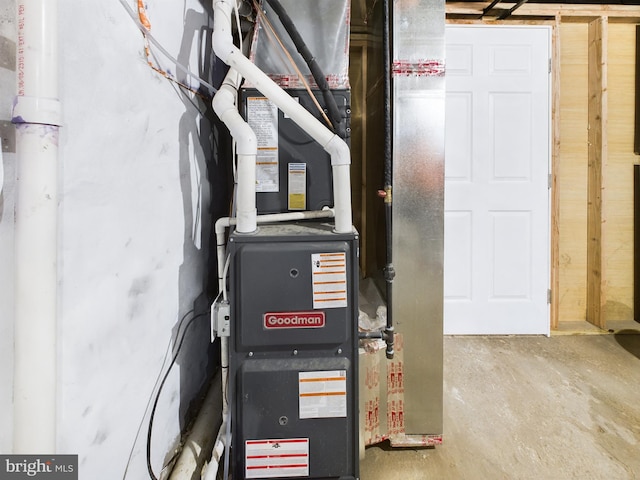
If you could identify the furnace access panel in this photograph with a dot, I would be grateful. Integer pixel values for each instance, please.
(293, 352)
(293, 172)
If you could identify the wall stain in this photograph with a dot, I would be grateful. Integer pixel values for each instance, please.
(139, 287)
(100, 437)
(7, 53)
(8, 136)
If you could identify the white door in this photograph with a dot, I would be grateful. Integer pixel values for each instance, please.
(496, 261)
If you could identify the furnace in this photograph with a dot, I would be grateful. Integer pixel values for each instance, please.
(293, 352)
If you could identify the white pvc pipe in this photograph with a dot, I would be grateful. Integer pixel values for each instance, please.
(211, 470)
(37, 117)
(200, 440)
(220, 443)
(224, 104)
(332, 143)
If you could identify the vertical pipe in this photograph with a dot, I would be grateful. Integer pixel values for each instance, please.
(37, 117)
(224, 104)
(389, 271)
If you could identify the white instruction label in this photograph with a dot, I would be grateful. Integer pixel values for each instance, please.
(329, 276)
(297, 186)
(287, 457)
(323, 394)
(262, 117)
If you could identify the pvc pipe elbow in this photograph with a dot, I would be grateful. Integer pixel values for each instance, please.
(224, 106)
(247, 142)
(339, 151)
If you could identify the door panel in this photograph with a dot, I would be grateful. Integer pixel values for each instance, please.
(496, 263)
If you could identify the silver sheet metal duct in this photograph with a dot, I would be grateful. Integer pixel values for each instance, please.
(418, 92)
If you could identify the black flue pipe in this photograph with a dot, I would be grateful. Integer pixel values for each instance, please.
(318, 75)
(389, 271)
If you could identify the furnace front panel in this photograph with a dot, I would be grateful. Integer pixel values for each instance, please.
(293, 352)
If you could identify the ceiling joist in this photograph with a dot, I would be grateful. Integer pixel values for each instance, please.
(484, 9)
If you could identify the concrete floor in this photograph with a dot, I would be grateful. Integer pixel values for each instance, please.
(530, 408)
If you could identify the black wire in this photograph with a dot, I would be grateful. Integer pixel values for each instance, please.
(157, 399)
(166, 355)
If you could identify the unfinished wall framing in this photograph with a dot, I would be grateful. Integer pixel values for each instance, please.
(593, 82)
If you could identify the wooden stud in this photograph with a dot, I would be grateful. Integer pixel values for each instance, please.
(555, 166)
(597, 132)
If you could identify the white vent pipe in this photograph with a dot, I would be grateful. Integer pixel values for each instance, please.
(224, 104)
(37, 117)
(332, 143)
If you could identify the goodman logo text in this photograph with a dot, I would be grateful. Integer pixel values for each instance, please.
(273, 320)
(49, 467)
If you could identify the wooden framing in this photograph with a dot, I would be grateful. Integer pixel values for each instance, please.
(636, 135)
(554, 282)
(475, 9)
(597, 132)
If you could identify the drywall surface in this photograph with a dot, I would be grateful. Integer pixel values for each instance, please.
(133, 241)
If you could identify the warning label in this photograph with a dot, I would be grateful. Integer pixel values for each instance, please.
(262, 117)
(329, 275)
(323, 394)
(287, 457)
(297, 186)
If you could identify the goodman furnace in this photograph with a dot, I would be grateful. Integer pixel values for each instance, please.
(293, 352)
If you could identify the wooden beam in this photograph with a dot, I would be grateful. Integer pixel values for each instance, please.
(493, 21)
(597, 134)
(555, 167)
(546, 10)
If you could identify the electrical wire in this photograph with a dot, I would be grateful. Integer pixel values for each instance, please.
(157, 397)
(224, 277)
(155, 385)
(148, 36)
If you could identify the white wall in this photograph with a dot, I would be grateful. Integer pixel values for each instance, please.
(133, 235)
